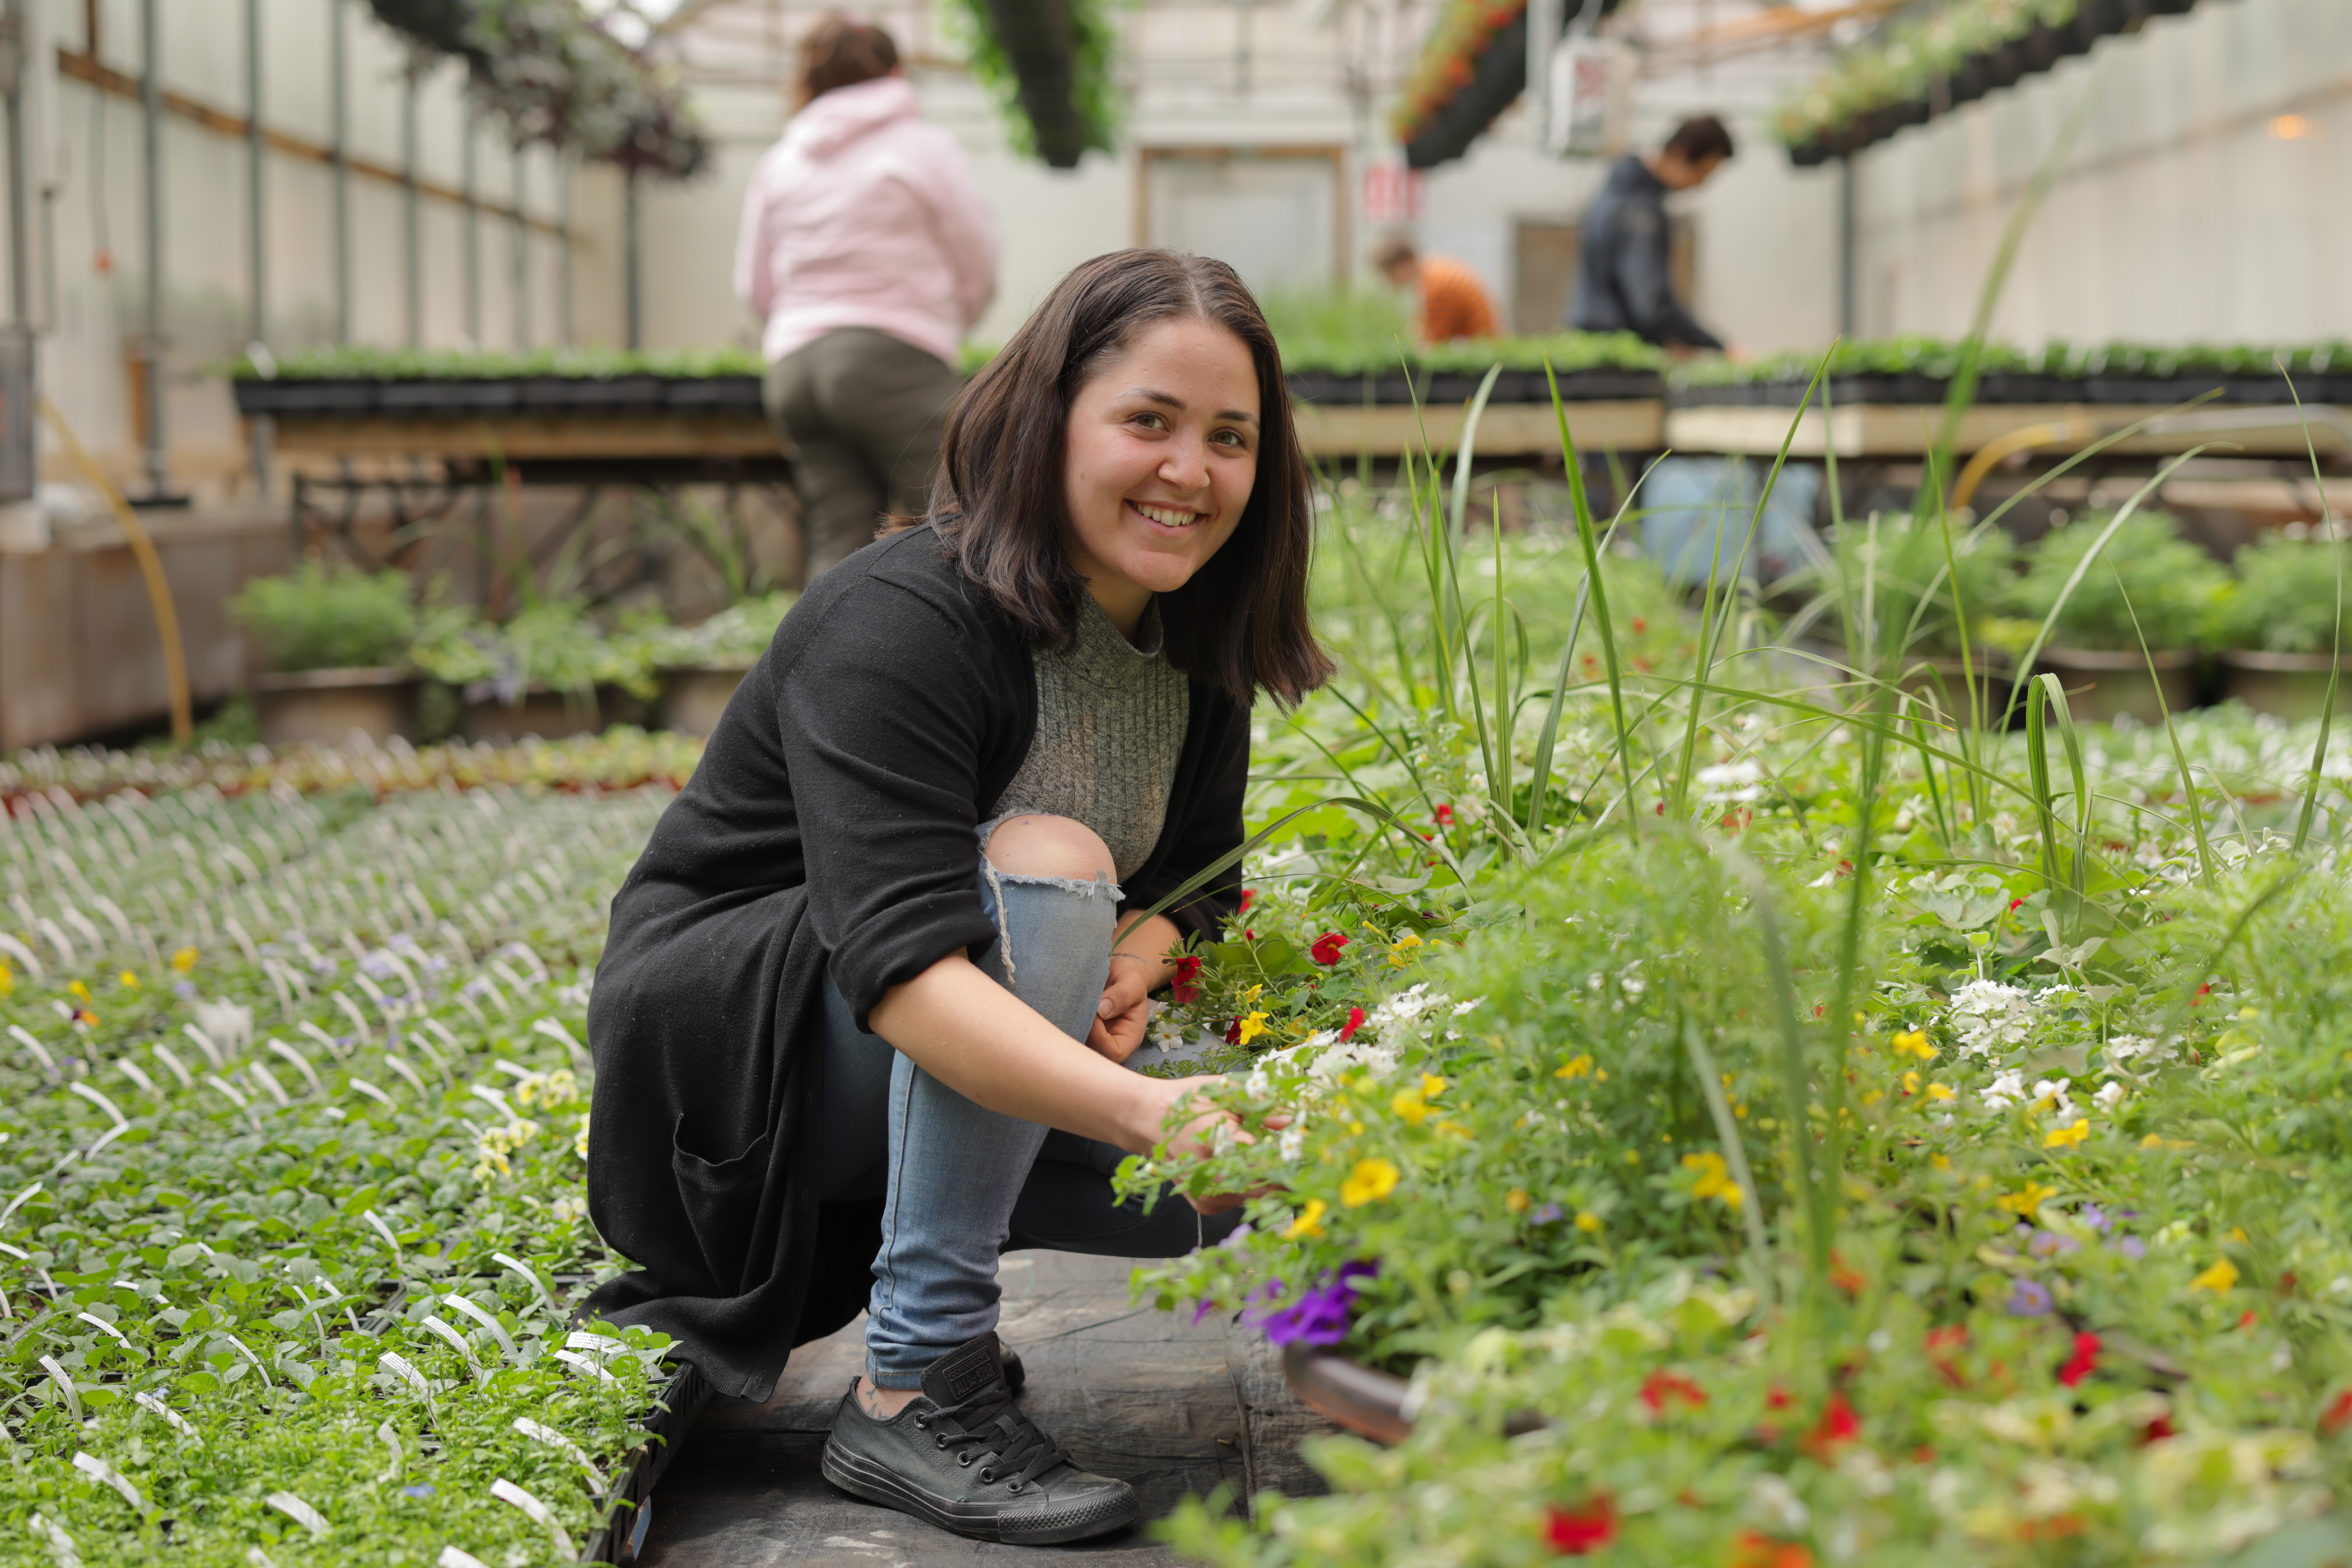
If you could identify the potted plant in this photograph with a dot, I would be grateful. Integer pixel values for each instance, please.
(549, 672)
(2280, 629)
(333, 643)
(2146, 582)
(702, 666)
(1903, 572)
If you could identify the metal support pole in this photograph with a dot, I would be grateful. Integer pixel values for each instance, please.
(256, 239)
(256, 231)
(473, 237)
(565, 171)
(412, 233)
(522, 259)
(150, 348)
(339, 101)
(1848, 282)
(20, 228)
(634, 279)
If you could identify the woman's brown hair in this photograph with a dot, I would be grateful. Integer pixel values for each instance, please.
(838, 52)
(1241, 622)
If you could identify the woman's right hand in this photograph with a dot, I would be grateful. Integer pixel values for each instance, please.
(1197, 1137)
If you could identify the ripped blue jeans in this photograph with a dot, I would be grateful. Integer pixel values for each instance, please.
(961, 1183)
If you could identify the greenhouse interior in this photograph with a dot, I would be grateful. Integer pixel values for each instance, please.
(1609, 828)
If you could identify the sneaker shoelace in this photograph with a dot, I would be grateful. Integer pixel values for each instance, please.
(990, 1427)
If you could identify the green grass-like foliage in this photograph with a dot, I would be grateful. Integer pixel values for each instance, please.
(2177, 589)
(323, 617)
(372, 971)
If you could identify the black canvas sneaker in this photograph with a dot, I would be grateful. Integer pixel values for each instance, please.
(963, 1456)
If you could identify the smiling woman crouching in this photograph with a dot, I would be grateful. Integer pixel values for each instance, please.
(860, 1024)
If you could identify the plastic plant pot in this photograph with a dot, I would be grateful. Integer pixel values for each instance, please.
(2104, 684)
(327, 707)
(693, 699)
(2292, 686)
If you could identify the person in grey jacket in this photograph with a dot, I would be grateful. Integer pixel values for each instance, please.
(1624, 285)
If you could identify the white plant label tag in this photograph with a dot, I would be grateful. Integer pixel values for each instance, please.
(99, 1470)
(65, 1383)
(451, 1558)
(301, 1512)
(177, 1422)
(400, 1367)
(573, 1359)
(506, 1490)
(563, 1445)
(498, 1330)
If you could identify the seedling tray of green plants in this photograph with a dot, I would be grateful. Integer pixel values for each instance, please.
(1920, 370)
(292, 1234)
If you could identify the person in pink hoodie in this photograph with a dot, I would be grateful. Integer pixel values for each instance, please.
(869, 252)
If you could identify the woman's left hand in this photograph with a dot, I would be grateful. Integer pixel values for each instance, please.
(1125, 1009)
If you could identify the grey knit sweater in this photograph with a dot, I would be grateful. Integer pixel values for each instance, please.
(1110, 721)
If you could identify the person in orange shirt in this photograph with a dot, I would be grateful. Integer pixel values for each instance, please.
(1453, 304)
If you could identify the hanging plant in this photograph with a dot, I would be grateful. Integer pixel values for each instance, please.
(555, 76)
(1047, 64)
(1449, 61)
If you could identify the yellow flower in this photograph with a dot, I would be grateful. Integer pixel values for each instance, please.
(1397, 949)
(1715, 1179)
(1252, 1027)
(1516, 1201)
(1310, 1221)
(1577, 1068)
(1370, 1181)
(1432, 1084)
(128, 980)
(2222, 1278)
(1408, 1106)
(78, 989)
(1941, 1162)
(7, 981)
(1587, 1221)
(1910, 1083)
(1939, 1091)
(1914, 1044)
(2157, 1140)
(2025, 1205)
(2067, 1137)
(184, 960)
(2238, 1232)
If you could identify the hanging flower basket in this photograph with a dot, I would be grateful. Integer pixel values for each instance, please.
(555, 76)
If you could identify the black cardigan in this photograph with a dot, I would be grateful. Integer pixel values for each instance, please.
(830, 824)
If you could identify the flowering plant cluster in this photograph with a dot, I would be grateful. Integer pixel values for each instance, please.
(1449, 60)
(290, 1163)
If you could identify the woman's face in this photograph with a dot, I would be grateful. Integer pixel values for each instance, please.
(1161, 453)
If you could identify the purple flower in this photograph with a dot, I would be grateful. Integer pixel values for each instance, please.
(1201, 1312)
(185, 989)
(2095, 1217)
(422, 1489)
(2131, 1246)
(2029, 1299)
(1319, 1316)
(2050, 1243)
(1551, 1214)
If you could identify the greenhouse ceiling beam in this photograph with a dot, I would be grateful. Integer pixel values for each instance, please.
(107, 79)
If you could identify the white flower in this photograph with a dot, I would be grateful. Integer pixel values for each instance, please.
(2110, 1095)
(1988, 1014)
(2005, 1091)
(1167, 1028)
(1461, 1008)
(228, 1024)
(2124, 1047)
(1731, 781)
(1257, 1086)
(1292, 1142)
(570, 1209)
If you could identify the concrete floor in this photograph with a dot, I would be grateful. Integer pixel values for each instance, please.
(1174, 1409)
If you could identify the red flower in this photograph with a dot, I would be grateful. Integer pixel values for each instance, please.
(1754, 1549)
(1185, 985)
(2339, 1414)
(1233, 1032)
(1951, 1340)
(2158, 1430)
(1776, 1398)
(1249, 897)
(1661, 1386)
(1444, 815)
(1355, 1022)
(1326, 951)
(2085, 1360)
(1839, 1424)
(1577, 1530)
(1841, 1274)
(2015, 904)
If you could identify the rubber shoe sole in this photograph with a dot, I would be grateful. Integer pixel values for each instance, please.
(1077, 1521)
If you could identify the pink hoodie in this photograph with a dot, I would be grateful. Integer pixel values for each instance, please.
(862, 214)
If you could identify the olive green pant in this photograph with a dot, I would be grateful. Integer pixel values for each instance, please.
(860, 412)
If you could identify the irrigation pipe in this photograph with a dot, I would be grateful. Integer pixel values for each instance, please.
(151, 567)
